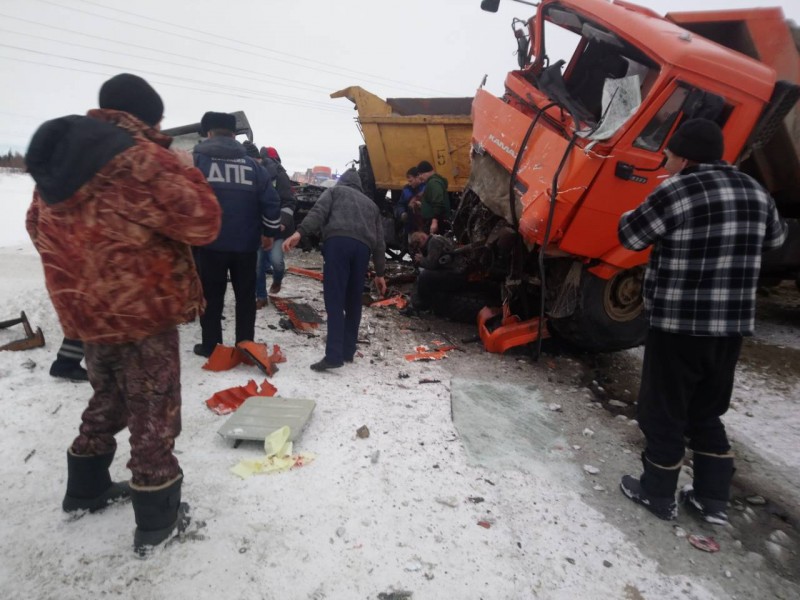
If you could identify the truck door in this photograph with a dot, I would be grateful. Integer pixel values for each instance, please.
(633, 169)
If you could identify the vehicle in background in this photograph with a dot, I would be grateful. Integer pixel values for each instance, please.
(186, 137)
(399, 133)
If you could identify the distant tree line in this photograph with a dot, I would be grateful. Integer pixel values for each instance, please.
(12, 160)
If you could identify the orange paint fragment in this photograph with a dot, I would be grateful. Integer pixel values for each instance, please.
(425, 353)
(399, 301)
(227, 401)
(223, 358)
(260, 356)
(305, 272)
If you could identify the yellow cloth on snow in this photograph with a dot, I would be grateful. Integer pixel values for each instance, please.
(279, 456)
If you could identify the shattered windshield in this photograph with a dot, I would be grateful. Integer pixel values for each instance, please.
(596, 76)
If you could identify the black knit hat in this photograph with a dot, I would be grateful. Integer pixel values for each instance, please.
(699, 140)
(251, 149)
(132, 94)
(424, 167)
(217, 120)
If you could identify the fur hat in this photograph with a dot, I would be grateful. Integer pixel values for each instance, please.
(698, 140)
(424, 167)
(132, 94)
(217, 120)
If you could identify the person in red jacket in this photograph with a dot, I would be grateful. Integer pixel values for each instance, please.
(113, 216)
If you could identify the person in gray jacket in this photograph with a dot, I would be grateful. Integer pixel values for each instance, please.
(351, 228)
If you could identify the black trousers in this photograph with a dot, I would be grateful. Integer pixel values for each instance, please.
(686, 387)
(346, 263)
(214, 267)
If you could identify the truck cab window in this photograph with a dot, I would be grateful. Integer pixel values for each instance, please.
(685, 103)
(655, 132)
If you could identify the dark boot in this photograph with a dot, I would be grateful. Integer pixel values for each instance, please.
(89, 485)
(708, 496)
(158, 511)
(324, 365)
(68, 369)
(655, 489)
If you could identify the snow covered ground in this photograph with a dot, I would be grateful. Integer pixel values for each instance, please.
(497, 504)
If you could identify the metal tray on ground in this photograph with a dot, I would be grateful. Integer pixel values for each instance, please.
(258, 416)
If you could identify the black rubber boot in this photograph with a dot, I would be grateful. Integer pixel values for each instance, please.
(708, 496)
(655, 489)
(89, 485)
(68, 369)
(159, 512)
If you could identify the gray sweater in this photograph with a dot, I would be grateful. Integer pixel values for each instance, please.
(345, 211)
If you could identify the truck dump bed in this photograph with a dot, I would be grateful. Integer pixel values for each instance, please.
(401, 132)
(763, 34)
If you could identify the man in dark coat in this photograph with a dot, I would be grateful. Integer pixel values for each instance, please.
(250, 209)
(352, 230)
(435, 204)
(708, 225)
(272, 259)
(441, 270)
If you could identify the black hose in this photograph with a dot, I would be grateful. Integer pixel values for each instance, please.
(511, 197)
(546, 240)
(512, 200)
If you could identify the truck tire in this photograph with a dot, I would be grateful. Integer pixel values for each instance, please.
(609, 314)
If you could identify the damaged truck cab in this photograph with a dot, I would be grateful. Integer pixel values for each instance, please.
(577, 139)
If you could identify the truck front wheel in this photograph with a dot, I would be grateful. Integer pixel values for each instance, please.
(608, 315)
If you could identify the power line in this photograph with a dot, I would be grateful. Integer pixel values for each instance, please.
(341, 70)
(306, 102)
(148, 48)
(278, 52)
(162, 61)
(219, 92)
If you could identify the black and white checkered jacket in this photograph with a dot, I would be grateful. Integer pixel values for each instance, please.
(708, 226)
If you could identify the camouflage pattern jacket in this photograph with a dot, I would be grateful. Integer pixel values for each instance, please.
(113, 216)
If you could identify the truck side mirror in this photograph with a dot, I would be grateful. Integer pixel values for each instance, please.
(490, 5)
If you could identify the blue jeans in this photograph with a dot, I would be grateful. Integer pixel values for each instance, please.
(269, 260)
(346, 262)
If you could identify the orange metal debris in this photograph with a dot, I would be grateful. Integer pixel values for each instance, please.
(223, 358)
(227, 401)
(287, 307)
(510, 333)
(399, 301)
(305, 272)
(423, 352)
(261, 357)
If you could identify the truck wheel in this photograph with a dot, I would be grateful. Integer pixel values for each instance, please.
(609, 314)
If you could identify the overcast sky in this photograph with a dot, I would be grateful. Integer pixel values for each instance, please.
(278, 60)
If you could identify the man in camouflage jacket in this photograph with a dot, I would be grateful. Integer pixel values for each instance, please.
(113, 216)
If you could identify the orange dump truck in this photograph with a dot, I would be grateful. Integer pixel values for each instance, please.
(577, 139)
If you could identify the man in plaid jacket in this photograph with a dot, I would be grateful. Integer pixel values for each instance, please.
(708, 225)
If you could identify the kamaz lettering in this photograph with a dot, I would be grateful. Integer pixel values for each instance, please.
(502, 146)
